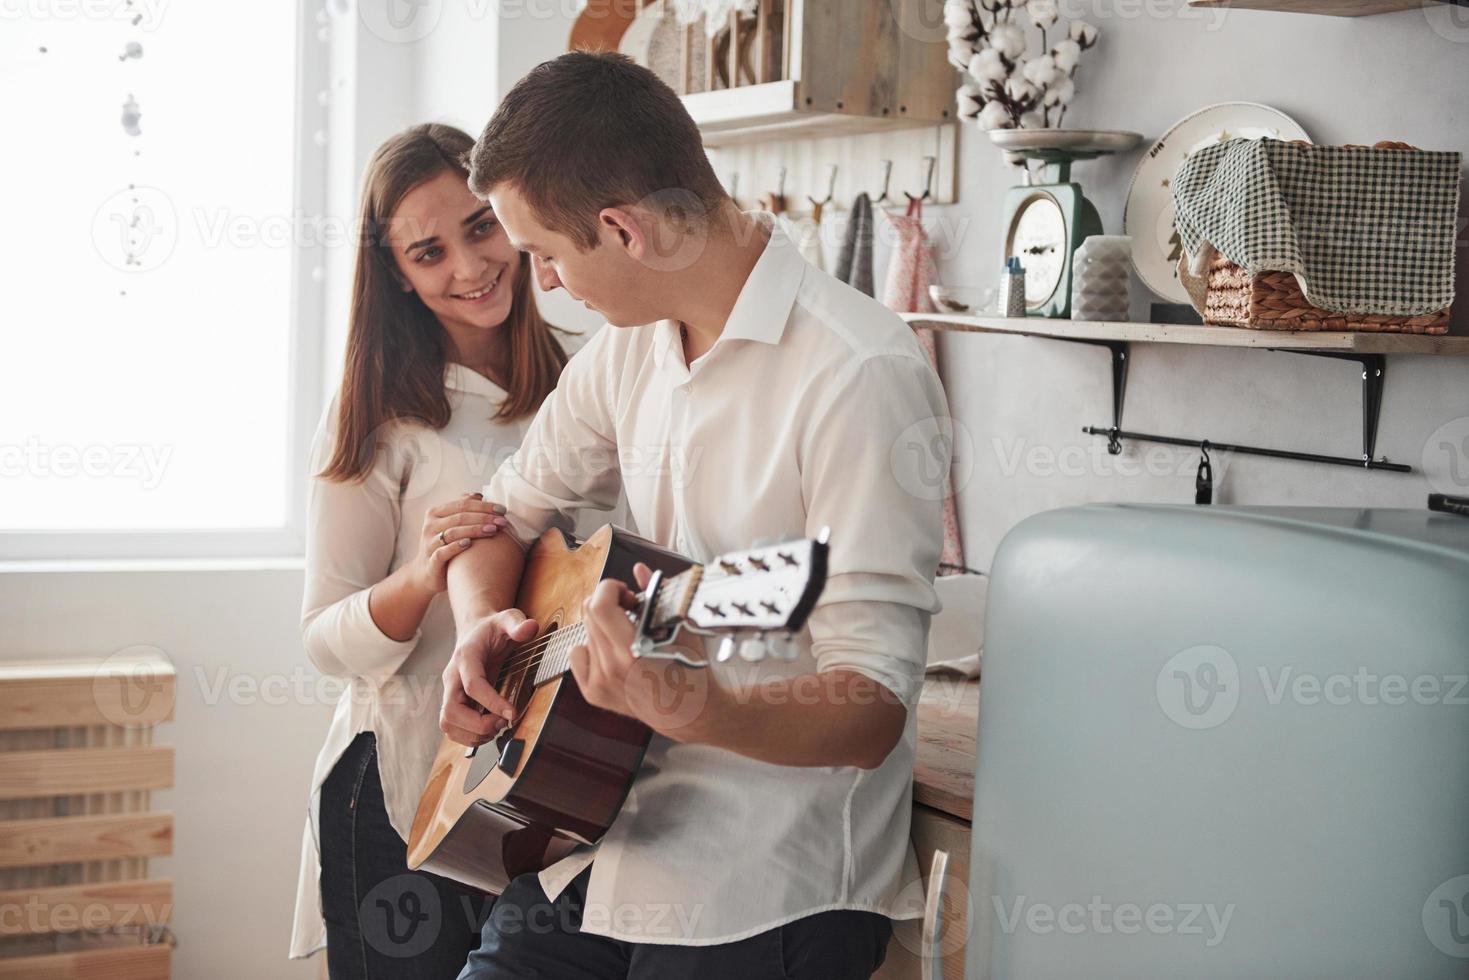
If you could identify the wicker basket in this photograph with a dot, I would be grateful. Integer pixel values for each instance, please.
(1273, 301)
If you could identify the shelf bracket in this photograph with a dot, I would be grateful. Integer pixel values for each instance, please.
(1374, 374)
(1120, 355)
(1374, 377)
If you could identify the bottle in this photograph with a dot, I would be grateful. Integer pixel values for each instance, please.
(1012, 288)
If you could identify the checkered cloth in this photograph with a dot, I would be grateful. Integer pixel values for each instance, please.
(1364, 230)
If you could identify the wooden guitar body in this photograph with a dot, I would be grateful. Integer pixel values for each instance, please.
(558, 777)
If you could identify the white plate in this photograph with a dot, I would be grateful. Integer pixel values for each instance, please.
(1148, 216)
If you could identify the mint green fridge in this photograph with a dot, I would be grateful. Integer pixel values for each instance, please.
(1224, 742)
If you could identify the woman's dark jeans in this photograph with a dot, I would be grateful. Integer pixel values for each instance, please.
(384, 922)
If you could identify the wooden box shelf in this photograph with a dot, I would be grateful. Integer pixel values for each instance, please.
(820, 68)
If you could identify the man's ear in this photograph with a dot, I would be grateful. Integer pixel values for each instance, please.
(625, 224)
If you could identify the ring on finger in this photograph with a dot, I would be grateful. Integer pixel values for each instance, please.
(441, 538)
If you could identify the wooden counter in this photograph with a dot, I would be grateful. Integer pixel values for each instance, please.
(943, 768)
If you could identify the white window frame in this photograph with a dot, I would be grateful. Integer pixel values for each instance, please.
(307, 339)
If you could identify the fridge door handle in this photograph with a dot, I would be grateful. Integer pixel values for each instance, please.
(933, 956)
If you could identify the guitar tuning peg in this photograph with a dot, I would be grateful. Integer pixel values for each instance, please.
(726, 650)
(753, 649)
(782, 647)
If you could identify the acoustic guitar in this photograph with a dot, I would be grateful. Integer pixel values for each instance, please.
(558, 776)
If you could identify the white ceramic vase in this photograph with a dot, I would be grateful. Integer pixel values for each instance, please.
(1101, 273)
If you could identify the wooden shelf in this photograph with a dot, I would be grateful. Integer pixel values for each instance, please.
(774, 110)
(1330, 8)
(1201, 336)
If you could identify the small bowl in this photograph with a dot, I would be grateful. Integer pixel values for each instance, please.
(961, 300)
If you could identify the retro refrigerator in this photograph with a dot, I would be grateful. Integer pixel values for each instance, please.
(1224, 742)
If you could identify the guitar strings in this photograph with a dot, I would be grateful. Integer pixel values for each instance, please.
(517, 665)
(523, 660)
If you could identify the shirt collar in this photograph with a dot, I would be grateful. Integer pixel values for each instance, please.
(764, 305)
(461, 378)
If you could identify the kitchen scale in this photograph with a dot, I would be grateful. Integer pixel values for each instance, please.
(1046, 221)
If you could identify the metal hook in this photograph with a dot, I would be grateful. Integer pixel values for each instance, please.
(927, 182)
(887, 176)
(775, 201)
(831, 183)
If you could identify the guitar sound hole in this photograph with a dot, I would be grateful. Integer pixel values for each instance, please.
(515, 685)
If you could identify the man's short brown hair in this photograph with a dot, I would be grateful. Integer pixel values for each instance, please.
(587, 131)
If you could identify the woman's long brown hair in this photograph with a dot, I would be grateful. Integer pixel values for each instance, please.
(396, 347)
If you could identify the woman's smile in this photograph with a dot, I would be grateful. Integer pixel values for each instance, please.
(483, 294)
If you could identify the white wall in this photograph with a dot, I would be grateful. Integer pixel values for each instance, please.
(1023, 401)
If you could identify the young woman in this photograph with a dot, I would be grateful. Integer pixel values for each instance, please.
(447, 360)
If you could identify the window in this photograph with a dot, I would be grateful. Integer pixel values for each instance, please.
(158, 251)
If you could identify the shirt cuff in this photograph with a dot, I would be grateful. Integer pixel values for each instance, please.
(361, 645)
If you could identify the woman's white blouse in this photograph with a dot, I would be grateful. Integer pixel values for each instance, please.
(358, 533)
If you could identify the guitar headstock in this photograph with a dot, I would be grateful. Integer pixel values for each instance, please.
(769, 589)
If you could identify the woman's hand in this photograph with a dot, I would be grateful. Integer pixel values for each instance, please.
(448, 531)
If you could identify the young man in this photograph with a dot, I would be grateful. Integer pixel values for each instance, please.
(738, 393)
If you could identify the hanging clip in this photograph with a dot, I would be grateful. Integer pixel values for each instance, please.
(1204, 481)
